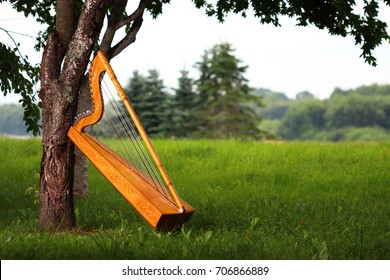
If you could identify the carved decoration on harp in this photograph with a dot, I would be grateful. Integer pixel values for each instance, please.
(136, 170)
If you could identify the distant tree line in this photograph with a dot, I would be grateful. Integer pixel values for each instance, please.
(356, 114)
(220, 104)
(11, 120)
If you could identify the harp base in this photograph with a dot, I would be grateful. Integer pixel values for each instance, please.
(157, 210)
(174, 221)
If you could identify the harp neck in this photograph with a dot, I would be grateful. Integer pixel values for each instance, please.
(91, 117)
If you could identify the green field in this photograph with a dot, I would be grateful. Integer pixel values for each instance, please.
(254, 200)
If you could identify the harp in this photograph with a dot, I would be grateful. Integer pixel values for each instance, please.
(134, 167)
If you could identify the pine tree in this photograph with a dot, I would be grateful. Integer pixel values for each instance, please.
(153, 103)
(135, 91)
(224, 95)
(184, 107)
(148, 98)
(167, 127)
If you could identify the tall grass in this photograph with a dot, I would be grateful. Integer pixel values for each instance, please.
(254, 200)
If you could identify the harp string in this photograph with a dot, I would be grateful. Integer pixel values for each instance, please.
(140, 149)
(133, 149)
(139, 159)
(124, 134)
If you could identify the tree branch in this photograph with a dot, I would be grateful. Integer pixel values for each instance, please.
(50, 69)
(116, 12)
(80, 47)
(136, 14)
(115, 22)
(64, 24)
(128, 39)
(137, 18)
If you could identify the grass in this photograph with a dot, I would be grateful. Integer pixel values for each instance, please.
(307, 200)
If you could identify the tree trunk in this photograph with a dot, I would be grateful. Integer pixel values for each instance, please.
(80, 183)
(62, 70)
(56, 197)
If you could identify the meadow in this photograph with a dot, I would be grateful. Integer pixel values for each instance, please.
(254, 200)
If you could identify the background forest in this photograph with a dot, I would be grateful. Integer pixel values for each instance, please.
(219, 103)
(355, 114)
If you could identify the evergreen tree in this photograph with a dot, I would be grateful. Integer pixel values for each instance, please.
(184, 107)
(205, 80)
(148, 98)
(135, 91)
(225, 101)
(167, 127)
(153, 104)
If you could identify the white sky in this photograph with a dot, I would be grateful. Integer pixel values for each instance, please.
(288, 59)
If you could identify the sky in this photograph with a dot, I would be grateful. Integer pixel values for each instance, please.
(287, 59)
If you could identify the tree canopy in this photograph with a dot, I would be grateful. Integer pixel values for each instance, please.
(339, 17)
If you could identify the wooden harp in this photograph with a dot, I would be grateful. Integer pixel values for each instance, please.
(136, 170)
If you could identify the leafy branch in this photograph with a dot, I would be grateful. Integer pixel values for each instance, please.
(17, 75)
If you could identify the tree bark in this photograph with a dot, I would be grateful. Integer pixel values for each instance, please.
(59, 92)
(56, 203)
(80, 183)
